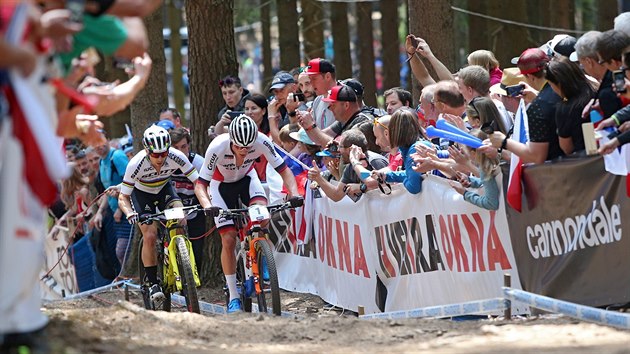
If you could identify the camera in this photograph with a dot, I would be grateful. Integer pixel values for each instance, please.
(619, 78)
(234, 114)
(514, 90)
(76, 8)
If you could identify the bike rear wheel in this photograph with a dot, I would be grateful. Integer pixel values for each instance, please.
(145, 284)
(240, 282)
(269, 298)
(186, 275)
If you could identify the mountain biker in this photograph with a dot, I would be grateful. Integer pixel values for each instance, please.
(229, 176)
(146, 187)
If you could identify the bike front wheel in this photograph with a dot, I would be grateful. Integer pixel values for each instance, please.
(269, 297)
(186, 275)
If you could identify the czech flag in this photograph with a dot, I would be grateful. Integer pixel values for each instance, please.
(515, 187)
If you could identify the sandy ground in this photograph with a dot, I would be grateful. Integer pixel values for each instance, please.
(106, 323)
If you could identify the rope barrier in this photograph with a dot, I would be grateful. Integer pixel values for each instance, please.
(79, 217)
(510, 22)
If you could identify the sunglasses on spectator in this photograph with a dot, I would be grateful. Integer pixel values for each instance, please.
(376, 122)
(157, 155)
(229, 81)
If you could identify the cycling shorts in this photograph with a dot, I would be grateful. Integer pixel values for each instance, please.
(247, 190)
(145, 203)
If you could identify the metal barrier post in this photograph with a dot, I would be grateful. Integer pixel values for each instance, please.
(507, 282)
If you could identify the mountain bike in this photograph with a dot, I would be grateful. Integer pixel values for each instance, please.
(256, 273)
(177, 270)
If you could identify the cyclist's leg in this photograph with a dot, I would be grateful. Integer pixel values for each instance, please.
(172, 200)
(225, 196)
(144, 203)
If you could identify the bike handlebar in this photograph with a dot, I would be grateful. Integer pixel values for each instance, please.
(294, 202)
(160, 215)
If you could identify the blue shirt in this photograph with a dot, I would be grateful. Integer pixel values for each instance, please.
(115, 159)
(411, 179)
(490, 199)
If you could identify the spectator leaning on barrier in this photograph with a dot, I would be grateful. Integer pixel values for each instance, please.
(586, 54)
(569, 82)
(488, 169)
(541, 114)
(343, 103)
(381, 132)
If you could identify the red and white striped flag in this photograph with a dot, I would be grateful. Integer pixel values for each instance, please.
(520, 134)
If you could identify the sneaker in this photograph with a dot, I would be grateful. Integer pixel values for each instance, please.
(155, 293)
(265, 269)
(234, 306)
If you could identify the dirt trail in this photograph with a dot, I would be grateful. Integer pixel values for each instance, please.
(105, 324)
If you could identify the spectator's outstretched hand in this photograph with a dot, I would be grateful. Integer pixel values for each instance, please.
(455, 120)
(423, 48)
(529, 93)
(624, 127)
(609, 147)
(89, 130)
(488, 149)
(496, 139)
(608, 122)
(457, 187)
(314, 173)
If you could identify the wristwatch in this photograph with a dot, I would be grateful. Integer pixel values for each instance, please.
(363, 187)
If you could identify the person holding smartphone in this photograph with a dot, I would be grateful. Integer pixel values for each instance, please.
(234, 96)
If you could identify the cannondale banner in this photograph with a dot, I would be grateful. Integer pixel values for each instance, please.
(396, 252)
(568, 241)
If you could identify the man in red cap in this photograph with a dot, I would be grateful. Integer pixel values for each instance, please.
(322, 75)
(543, 141)
(346, 108)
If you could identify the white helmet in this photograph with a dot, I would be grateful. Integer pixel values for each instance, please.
(156, 139)
(243, 131)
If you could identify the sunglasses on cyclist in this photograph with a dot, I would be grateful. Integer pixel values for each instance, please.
(157, 155)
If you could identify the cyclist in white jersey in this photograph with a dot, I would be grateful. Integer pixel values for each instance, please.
(228, 175)
(146, 187)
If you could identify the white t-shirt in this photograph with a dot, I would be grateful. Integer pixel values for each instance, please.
(322, 116)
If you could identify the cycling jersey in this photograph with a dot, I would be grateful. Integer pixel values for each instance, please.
(182, 185)
(149, 180)
(220, 161)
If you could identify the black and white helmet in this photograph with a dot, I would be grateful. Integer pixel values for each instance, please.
(243, 131)
(156, 139)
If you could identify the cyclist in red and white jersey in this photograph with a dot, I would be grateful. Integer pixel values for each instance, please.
(228, 176)
(146, 187)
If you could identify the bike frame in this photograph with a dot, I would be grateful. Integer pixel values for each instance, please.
(172, 278)
(249, 236)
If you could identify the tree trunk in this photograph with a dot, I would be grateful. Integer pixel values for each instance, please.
(390, 51)
(477, 27)
(265, 21)
(341, 39)
(312, 29)
(288, 35)
(606, 13)
(211, 56)
(144, 107)
(508, 41)
(562, 14)
(366, 52)
(174, 23)
(433, 21)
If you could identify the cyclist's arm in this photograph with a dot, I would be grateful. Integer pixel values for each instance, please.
(124, 204)
(289, 181)
(201, 191)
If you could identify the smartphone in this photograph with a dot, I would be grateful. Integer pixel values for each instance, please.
(235, 114)
(514, 90)
(299, 96)
(76, 8)
(619, 78)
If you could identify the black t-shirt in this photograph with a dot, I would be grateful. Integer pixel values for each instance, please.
(541, 118)
(357, 118)
(569, 119)
(608, 100)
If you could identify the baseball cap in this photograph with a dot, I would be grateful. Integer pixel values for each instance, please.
(561, 44)
(354, 84)
(531, 60)
(302, 137)
(280, 80)
(510, 77)
(166, 124)
(319, 66)
(341, 93)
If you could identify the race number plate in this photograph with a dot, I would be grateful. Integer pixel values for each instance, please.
(174, 213)
(258, 213)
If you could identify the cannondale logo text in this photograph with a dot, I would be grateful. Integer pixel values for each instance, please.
(602, 225)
